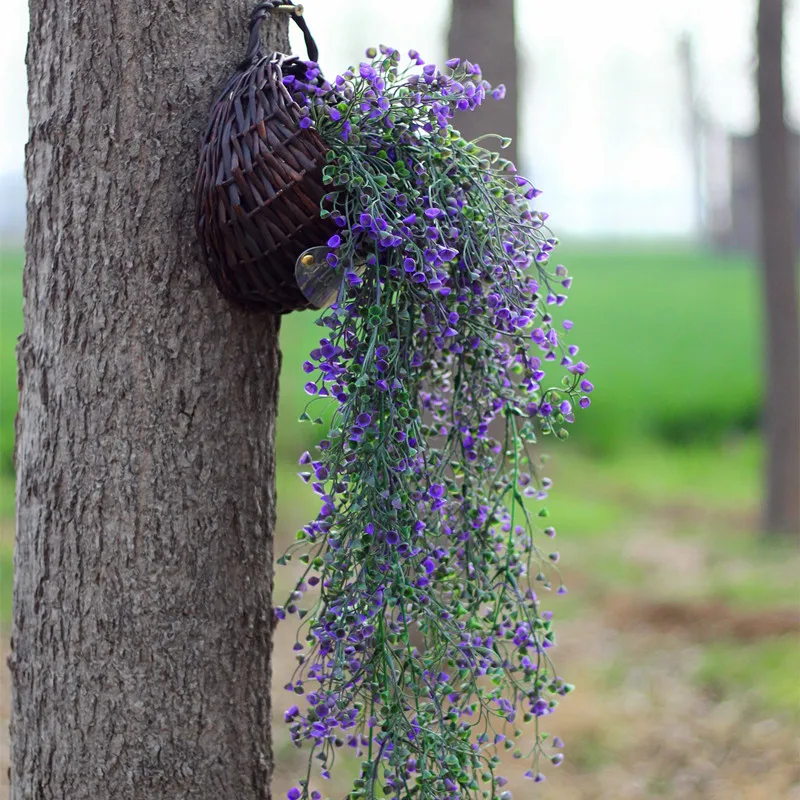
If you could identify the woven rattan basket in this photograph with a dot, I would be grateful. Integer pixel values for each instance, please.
(259, 183)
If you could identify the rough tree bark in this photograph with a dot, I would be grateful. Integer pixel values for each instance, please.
(142, 595)
(779, 269)
(484, 33)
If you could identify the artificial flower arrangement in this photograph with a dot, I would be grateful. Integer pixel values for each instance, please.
(422, 641)
(426, 647)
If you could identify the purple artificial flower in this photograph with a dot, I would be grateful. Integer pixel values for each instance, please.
(445, 334)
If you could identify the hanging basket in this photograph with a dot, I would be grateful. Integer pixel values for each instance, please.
(259, 183)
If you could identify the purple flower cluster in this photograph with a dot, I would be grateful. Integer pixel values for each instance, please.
(423, 646)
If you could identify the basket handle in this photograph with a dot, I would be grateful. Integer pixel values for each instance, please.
(259, 14)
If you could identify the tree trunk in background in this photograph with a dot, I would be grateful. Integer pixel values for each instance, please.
(695, 124)
(142, 597)
(483, 32)
(779, 262)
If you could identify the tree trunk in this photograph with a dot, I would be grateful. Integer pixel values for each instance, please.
(484, 32)
(779, 261)
(695, 124)
(145, 501)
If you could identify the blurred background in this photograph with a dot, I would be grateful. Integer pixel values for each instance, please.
(637, 120)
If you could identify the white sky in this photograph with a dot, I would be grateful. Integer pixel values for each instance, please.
(604, 131)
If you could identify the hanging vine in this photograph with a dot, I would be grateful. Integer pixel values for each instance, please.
(422, 643)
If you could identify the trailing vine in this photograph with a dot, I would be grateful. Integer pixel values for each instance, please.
(422, 643)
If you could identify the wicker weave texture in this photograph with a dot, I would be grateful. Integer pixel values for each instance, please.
(259, 187)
